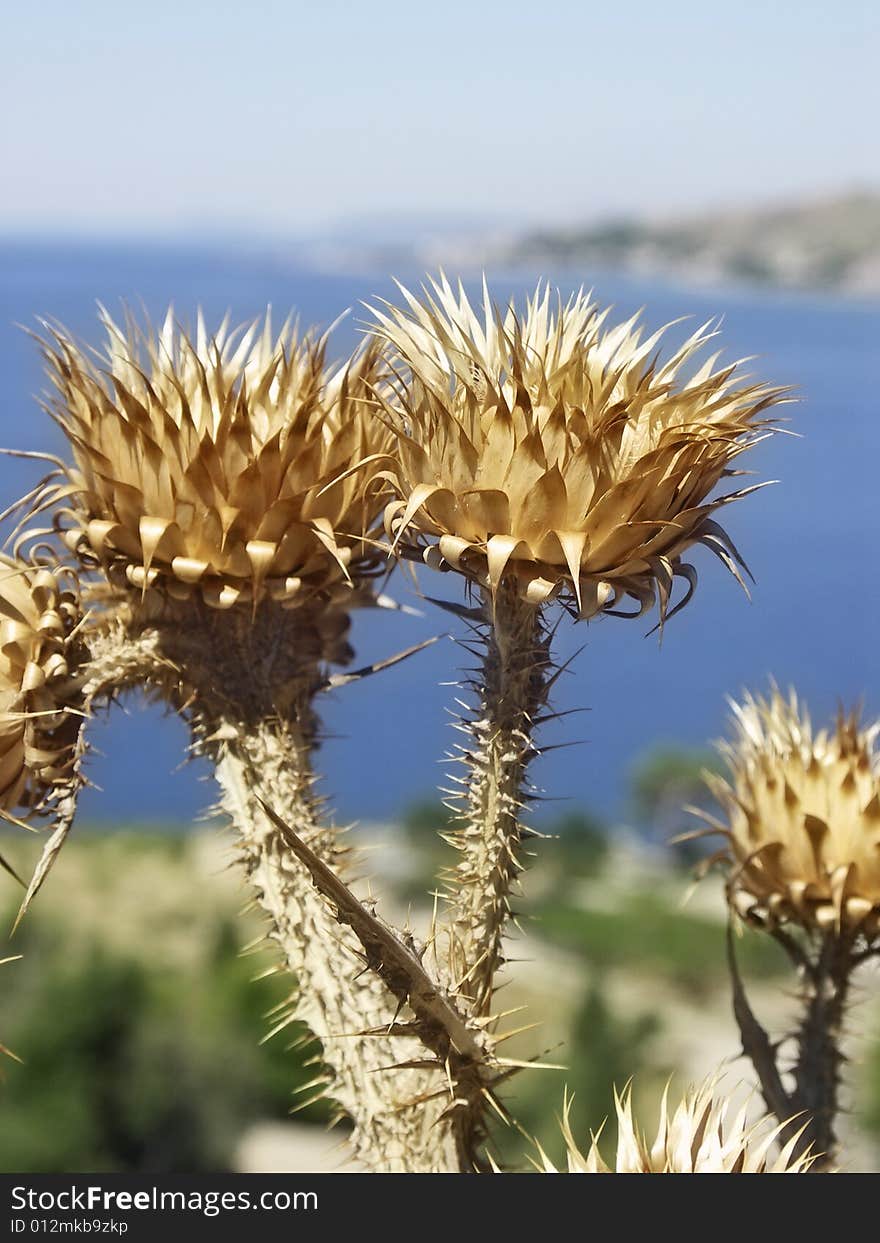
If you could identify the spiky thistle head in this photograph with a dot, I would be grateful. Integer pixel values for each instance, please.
(38, 614)
(550, 449)
(801, 814)
(224, 465)
(705, 1134)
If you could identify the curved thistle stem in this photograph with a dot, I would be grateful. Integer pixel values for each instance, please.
(342, 1001)
(248, 683)
(809, 1107)
(511, 688)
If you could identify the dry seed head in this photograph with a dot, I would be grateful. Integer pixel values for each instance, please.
(801, 811)
(559, 452)
(226, 465)
(706, 1134)
(37, 616)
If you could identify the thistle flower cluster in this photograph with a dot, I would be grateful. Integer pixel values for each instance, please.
(545, 447)
(230, 497)
(232, 468)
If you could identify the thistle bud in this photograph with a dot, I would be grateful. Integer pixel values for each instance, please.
(801, 813)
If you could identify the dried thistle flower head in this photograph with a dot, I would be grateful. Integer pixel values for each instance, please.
(37, 616)
(802, 816)
(225, 465)
(556, 451)
(706, 1134)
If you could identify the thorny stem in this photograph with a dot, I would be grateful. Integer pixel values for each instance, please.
(809, 1108)
(819, 1057)
(511, 688)
(249, 691)
(461, 1049)
(336, 995)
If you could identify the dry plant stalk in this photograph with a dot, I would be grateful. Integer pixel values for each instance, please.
(545, 457)
(801, 819)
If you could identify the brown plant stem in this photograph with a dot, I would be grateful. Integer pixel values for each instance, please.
(511, 687)
(808, 1108)
(819, 1058)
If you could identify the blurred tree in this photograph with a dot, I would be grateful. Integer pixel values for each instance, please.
(583, 842)
(424, 820)
(664, 781)
(605, 1049)
(867, 1093)
(132, 1066)
(422, 824)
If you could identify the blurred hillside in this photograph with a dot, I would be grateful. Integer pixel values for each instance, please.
(139, 1022)
(831, 244)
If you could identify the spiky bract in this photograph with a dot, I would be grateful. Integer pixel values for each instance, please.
(705, 1134)
(551, 449)
(225, 465)
(37, 615)
(802, 816)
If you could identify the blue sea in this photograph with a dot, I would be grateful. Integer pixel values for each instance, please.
(811, 541)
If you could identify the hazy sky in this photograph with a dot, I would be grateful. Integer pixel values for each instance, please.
(276, 116)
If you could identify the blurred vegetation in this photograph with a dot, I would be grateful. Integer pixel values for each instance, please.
(650, 933)
(604, 1048)
(581, 844)
(140, 1051)
(139, 1020)
(666, 780)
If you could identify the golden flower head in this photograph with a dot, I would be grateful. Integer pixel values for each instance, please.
(37, 616)
(706, 1134)
(557, 451)
(801, 812)
(225, 465)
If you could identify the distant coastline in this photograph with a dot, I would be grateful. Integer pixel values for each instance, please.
(831, 245)
(826, 247)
